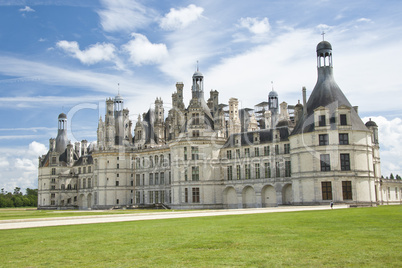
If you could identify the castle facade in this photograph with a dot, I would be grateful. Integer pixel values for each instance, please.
(209, 155)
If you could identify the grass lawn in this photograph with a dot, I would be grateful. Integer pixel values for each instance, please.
(33, 213)
(358, 237)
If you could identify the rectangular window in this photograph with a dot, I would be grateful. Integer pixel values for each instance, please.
(89, 184)
(79, 170)
(163, 178)
(194, 153)
(156, 196)
(185, 175)
(321, 120)
(89, 169)
(326, 189)
(185, 195)
(323, 139)
(238, 172)
(151, 197)
(196, 118)
(288, 171)
(137, 180)
(276, 149)
(266, 150)
(151, 179)
(343, 119)
(117, 183)
(343, 138)
(325, 162)
(247, 171)
(156, 178)
(195, 173)
(230, 172)
(347, 190)
(196, 195)
(117, 201)
(257, 170)
(137, 197)
(267, 170)
(185, 153)
(286, 148)
(116, 167)
(53, 171)
(256, 152)
(237, 153)
(278, 170)
(54, 159)
(229, 154)
(345, 162)
(246, 152)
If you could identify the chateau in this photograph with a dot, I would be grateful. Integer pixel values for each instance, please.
(209, 155)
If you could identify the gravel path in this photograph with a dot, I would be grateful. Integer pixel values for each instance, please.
(45, 222)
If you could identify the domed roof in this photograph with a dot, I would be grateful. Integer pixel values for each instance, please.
(118, 98)
(324, 45)
(62, 115)
(198, 74)
(273, 93)
(371, 124)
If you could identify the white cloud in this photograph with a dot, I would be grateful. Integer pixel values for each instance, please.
(26, 9)
(124, 15)
(93, 54)
(364, 20)
(180, 18)
(144, 52)
(255, 26)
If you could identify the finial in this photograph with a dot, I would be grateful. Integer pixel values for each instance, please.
(323, 33)
(272, 85)
(197, 66)
(118, 88)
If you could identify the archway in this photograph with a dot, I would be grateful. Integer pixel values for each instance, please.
(89, 200)
(230, 198)
(82, 202)
(287, 195)
(248, 196)
(268, 196)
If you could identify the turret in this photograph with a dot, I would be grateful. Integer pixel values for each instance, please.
(273, 106)
(61, 139)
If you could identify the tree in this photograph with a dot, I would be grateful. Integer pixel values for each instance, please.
(398, 177)
(391, 176)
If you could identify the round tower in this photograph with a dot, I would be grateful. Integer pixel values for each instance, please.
(273, 106)
(198, 85)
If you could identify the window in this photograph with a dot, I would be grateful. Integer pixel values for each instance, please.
(246, 152)
(347, 190)
(276, 149)
(117, 166)
(323, 139)
(156, 178)
(230, 172)
(396, 193)
(156, 196)
(256, 151)
(137, 197)
(196, 118)
(53, 180)
(196, 195)
(345, 162)
(267, 170)
(53, 171)
(194, 153)
(185, 195)
(343, 138)
(238, 172)
(151, 179)
(247, 171)
(237, 153)
(195, 174)
(151, 161)
(52, 195)
(52, 202)
(151, 197)
(196, 133)
(321, 120)
(163, 178)
(156, 160)
(54, 160)
(89, 184)
(185, 175)
(185, 153)
(117, 183)
(137, 180)
(326, 189)
(266, 150)
(257, 170)
(229, 154)
(79, 170)
(117, 201)
(277, 169)
(286, 148)
(89, 169)
(84, 183)
(343, 119)
(287, 169)
(325, 162)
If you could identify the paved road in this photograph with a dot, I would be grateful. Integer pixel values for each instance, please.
(45, 222)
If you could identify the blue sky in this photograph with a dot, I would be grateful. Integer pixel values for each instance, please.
(69, 56)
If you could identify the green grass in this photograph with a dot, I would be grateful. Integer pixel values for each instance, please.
(358, 237)
(33, 213)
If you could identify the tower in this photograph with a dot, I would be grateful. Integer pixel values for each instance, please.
(61, 139)
(118, 117)
(198, 85)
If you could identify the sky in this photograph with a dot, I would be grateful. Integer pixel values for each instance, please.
(70, 56)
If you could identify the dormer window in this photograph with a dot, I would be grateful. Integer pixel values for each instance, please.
(321, 120)
(343, 119)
